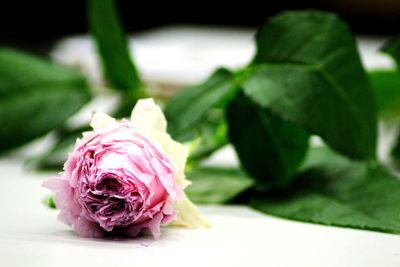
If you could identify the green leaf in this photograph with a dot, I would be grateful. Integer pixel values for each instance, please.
(112, 46)
(35, 97)
(189, 107)
(270, 149)
(212, 135)
(216, 185)
(395, 153)
(386, 87)
(308, 71)
(322, 156)
(49, 202)
(54, 158)
(20, 71)
(336, 191)
(392, 47)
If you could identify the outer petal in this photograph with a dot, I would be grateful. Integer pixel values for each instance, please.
(177, 152)
(188, 215)
(101, 121)
(148, 116)
(85, 228)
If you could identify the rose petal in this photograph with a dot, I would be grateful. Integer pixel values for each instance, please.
(146, 115)
(154, 226)
(85, 228)
(188, 214)
(101, 121)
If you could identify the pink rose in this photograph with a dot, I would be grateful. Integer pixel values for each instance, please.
(125, 176)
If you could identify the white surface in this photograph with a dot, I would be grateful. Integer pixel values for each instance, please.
(31, 236)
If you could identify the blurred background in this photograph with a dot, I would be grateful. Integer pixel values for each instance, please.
(35, 25)
(173, 44)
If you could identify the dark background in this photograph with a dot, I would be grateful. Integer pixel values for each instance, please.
(35, 25)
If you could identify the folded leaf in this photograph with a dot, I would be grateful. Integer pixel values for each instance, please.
(20, 71)
(392, 47)
(270, 149)
(212, 135)
(35, 96)
(189, 107)
(307, 69)
(55, 157)
(50, 202)
(216, 185)
(112, 46)
(336, 191)
(391, 85)
(386, 87)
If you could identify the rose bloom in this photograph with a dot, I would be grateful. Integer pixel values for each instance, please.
(124, 177)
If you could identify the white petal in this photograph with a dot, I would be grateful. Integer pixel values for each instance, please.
(149, 118)
(101, 121)
(178, 154)
(146, 115)
(188, 215)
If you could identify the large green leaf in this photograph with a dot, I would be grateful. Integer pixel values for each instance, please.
(392, 47)
(190, 106)
(308, 70)
(335, 191)
(216, 185)
(270, 149)
(112, 46)
(35, 96)
(21, 71)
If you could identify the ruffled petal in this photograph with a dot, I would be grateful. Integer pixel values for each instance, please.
(85, 228)
(154, 225)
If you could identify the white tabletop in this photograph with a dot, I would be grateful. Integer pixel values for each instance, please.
(31, 236)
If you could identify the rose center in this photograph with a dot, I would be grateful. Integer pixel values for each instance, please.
(111, 203)
(109, 184)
